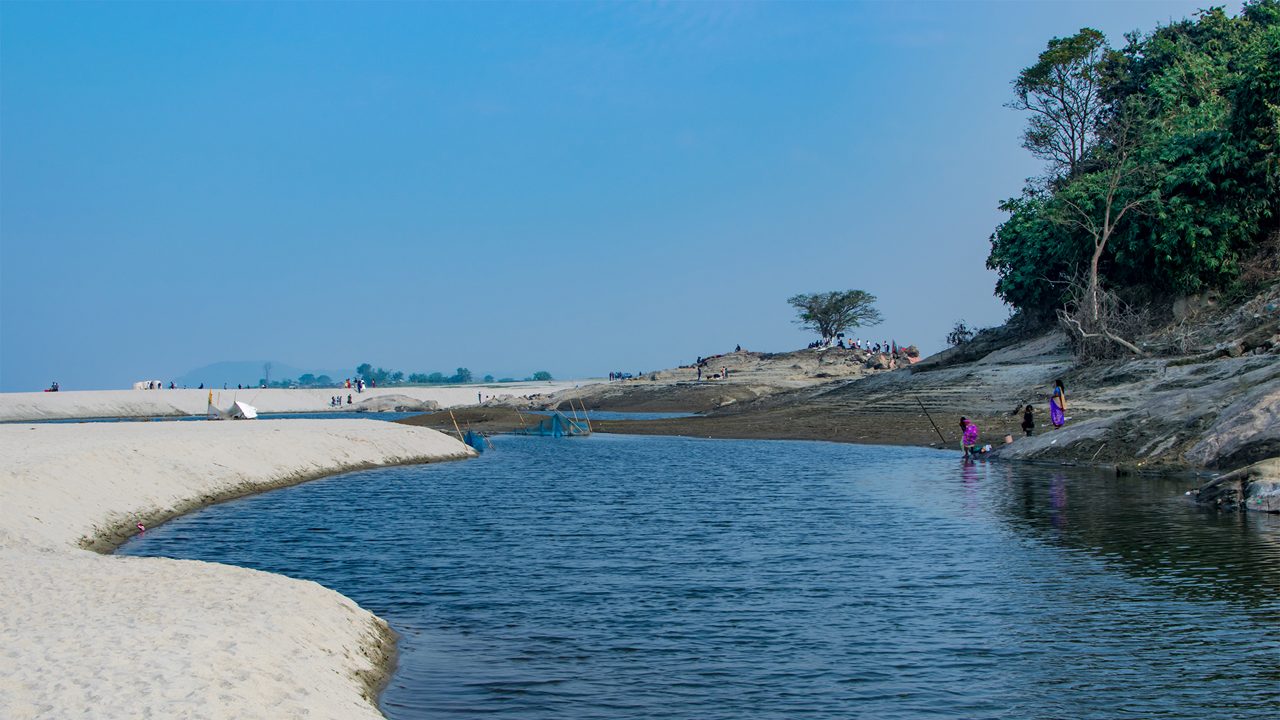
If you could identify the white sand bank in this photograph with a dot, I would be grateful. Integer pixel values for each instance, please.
(161, 403)
(89, 635)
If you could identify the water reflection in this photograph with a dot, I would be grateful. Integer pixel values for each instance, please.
(1149, 528)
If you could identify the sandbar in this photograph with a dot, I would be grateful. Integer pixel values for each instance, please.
(84, 634)
(83, 404)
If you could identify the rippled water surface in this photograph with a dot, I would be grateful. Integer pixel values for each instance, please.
(629, 577)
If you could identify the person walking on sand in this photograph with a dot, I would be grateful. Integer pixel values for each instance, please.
(968, 436)
(1028, 420)
(1058, 405)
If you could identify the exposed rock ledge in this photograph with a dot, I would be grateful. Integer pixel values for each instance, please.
(1255, 487)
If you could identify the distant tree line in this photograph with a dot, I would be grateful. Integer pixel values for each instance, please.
(380, 376)
(1162, 171)
(383, 377)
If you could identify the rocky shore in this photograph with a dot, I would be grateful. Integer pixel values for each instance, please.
(1205, 398)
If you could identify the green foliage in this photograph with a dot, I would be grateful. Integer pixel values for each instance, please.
(488, 378)
(1061, 92)
(396, 377)
(541, 375)
(960, 334)
(1034, 254)
(372, 375)
(831, 313)
(1206, 156)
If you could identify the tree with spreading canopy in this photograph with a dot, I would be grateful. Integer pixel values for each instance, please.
(1061, 91)
(831, 313)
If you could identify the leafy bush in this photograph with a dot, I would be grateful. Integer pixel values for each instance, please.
(960, 334)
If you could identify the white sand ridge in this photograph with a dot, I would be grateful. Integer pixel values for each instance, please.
(88, 635)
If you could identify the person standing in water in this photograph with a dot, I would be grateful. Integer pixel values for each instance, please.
(968, 436)
(1058, 405)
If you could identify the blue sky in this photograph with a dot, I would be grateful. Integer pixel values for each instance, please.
(507, 187)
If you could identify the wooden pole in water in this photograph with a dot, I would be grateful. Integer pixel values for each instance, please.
(931, 422)
(584, 414)
(455, 425)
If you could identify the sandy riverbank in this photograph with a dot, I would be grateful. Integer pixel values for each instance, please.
(90, 635)
(65, 405)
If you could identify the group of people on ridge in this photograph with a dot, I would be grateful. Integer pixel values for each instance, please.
(889, 347)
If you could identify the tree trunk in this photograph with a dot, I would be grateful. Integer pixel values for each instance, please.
(1099, 245)
(1094, 313)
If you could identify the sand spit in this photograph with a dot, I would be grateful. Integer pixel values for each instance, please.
(67, 405)
(90, 635)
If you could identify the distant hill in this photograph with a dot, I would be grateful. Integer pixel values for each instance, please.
(247, 372)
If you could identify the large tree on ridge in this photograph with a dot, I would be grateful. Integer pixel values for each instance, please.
(831, 313)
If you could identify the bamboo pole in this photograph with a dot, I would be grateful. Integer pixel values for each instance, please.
(585, 416)
(931, 422)
(455, 425)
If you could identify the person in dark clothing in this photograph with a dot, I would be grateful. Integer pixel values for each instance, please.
(1028, 420)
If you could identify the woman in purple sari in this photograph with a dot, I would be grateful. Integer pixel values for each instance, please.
(1058, 405)
(968, 437)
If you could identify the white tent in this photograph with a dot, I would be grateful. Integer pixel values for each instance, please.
(147, 385)
(239, 410)
(242, 411)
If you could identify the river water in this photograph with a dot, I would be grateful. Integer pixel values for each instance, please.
(646, 577)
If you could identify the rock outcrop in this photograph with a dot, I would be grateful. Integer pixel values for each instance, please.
(394, 403)
(1254, 487)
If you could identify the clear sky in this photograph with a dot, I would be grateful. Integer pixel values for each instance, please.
(506, 187)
